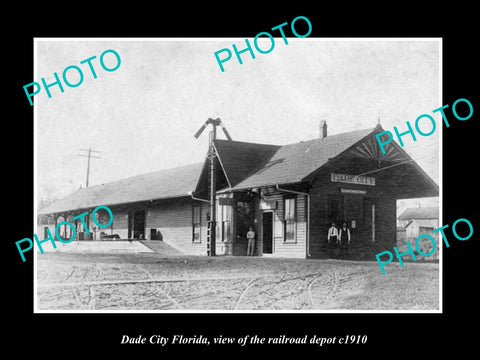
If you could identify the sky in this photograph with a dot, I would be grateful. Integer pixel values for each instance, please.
(142, 116)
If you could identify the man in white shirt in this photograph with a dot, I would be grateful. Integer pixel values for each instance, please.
(332, 239)
(332, 234)
(251, 241)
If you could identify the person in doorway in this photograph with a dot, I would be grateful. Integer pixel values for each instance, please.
(332, 238)
(344, 239)
(251, 241)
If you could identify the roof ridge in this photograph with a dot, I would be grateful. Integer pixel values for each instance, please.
(294, 162)
(330, 136)
(247, 142)
(301, 141)
(159, 184)
(427, 212)
(141, 175)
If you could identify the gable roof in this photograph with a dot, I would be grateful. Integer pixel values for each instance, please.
(420, 223)
(419, 213)
(287, 164)
(241, 159)
(246, 165)
(156, 185)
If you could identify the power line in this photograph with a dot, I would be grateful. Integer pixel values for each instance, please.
(390, 166)
(385, 167)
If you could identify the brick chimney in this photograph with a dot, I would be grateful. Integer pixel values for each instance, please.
(323, 129)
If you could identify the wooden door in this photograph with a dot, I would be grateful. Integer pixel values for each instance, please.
(267, 232)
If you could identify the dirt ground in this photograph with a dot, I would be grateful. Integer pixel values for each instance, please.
(103, 282)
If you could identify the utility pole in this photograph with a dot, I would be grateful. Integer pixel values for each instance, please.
(212, 225)
(90, 151)
(211, 250)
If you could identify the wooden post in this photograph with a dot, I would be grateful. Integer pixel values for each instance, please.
(213, 224)
(88, 165)
(373, 222)
(211, 228)
(89, 156)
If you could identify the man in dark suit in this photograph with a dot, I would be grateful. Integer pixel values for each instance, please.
(344, 239)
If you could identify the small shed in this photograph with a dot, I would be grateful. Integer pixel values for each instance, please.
(419, 221)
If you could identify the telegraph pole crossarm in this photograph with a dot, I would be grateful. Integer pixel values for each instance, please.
(89, 156)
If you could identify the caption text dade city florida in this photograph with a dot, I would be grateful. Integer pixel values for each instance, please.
(244, 340)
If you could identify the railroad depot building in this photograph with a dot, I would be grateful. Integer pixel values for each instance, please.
(290, 195)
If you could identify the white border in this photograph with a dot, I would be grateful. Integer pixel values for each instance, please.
(440, 179)
(35, 200)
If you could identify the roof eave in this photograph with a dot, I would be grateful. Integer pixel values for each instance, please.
(235, 188)
(86, 208)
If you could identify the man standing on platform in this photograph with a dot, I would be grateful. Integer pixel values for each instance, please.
(251, 241)
(344, 239)
(332, 239)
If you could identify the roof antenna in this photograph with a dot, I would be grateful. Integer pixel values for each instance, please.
(215, 122)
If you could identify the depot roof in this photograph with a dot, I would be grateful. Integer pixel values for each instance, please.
(164, 184)
(270, 165)
(244, 165)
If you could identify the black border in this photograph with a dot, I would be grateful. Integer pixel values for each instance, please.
(58, 335)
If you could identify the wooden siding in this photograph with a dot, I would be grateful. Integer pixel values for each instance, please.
(120, 223)
(173, 219)
(358, 208)
(281, 248)
(414, 230)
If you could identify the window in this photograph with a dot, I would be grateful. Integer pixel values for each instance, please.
(335, 209)
(290, 220)
(196, 222)
(244, 217)
(425, 230)
(224, 213)
(227, 213)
